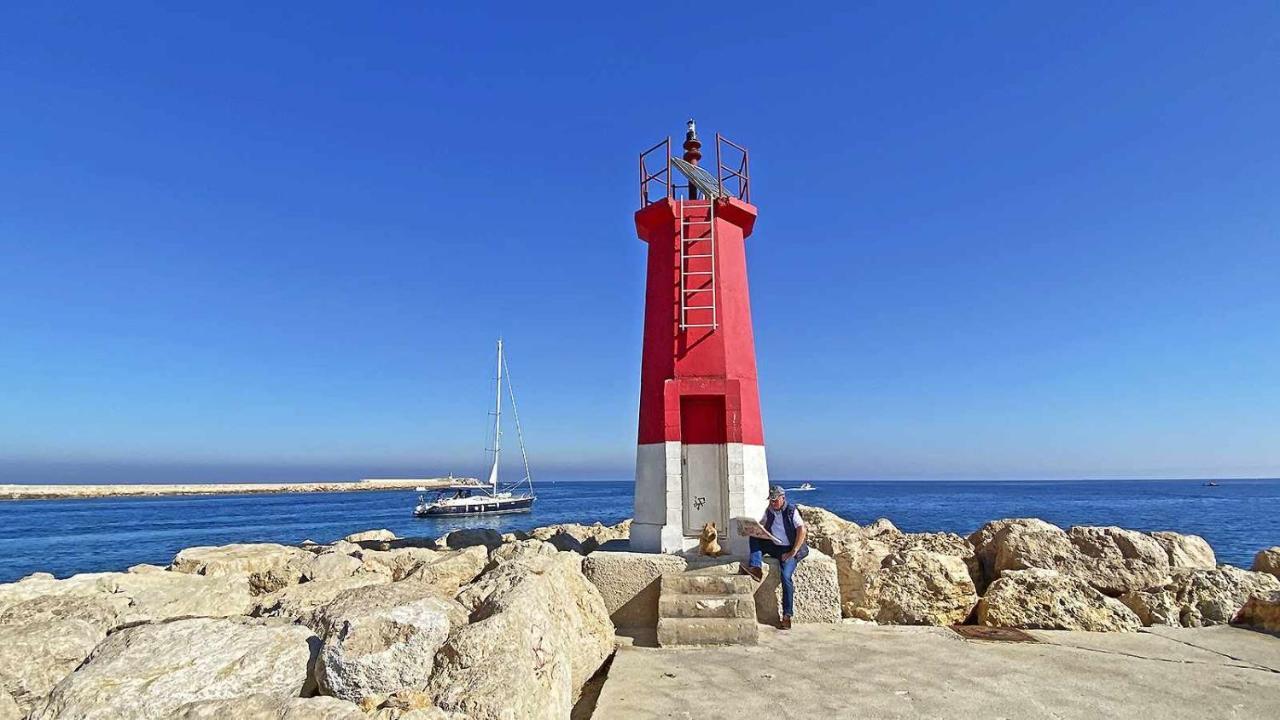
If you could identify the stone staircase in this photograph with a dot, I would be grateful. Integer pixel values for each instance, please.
(707, 606)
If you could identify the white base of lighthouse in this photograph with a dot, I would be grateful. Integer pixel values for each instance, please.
(681, 487)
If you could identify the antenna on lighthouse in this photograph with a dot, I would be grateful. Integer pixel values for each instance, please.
(692, 153)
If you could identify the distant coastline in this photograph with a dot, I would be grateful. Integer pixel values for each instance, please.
(68, 492)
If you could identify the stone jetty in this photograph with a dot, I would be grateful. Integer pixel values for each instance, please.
(480, 625)
(69, 492)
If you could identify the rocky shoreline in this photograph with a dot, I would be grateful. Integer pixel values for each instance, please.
(478, 625)
(71, 492)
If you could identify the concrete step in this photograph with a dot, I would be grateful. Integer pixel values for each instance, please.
(676, 605)
(707, 631)
(707, 583)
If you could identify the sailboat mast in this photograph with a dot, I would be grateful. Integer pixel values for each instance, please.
(497, 424)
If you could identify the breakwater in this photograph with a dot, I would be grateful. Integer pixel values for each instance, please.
(68, 492)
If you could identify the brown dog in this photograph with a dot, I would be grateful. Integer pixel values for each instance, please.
(709, 541)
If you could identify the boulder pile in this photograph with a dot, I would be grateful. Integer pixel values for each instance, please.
(1027, 573)
(464, 627)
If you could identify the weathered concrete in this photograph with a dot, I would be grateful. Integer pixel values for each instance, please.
(867, 671)
(628, 582)
(709, 604)
(817, 598)
(706, 631)
(711, 580)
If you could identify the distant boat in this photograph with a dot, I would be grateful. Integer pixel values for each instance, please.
(803, 487)
(470, 497)
(1211, 484)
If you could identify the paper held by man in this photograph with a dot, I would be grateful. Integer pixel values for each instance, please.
(750, 527)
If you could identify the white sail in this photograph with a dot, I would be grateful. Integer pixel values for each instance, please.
(497, 425)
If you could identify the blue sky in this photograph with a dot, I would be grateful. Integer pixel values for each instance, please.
(995, 240)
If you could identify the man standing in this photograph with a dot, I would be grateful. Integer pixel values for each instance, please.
(783, 520)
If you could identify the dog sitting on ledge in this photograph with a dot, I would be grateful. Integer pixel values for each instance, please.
(709, 541)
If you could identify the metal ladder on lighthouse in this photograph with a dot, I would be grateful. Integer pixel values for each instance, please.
(697, 287)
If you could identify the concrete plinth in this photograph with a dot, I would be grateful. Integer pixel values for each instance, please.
(817, 598)
(629, 584)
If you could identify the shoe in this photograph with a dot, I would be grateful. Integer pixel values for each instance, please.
(754, 572)
(786, 622)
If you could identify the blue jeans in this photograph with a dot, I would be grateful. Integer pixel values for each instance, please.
(760, 548)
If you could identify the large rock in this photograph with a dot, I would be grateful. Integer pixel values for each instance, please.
(264, 706)
(9, 709)
(371, 536)
(827, 531)
(855, 550)
(151, 671)
(301, 602)
(1049, 600)
(470, 537)
(919, 587)
(1113, 542)
(36, 655)
(332, 566)
(629, 584)
(583, 539)
(449, 571)
(1116, 561)
(1186, 551)
(1261, 611)
(410, 704)
(539, 631)
(943, 543)
(1024, 548)
(98, 611)
(268, 566)
(520, 551)
(857, 559)
(142, 596)
(881, 528)
(1111, 559)
(378, 640)
(396, 564)
(1195, 598)
(817, 591)
(988, 540)
(858, 551)
(1268, 561)
(341, 546)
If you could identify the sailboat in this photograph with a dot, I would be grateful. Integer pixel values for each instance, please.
(475, 498)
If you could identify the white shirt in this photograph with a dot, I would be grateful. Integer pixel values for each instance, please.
(779, 528)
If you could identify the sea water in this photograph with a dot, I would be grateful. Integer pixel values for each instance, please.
(64, 537)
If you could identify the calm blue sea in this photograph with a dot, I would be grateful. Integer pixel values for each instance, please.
(69, 536)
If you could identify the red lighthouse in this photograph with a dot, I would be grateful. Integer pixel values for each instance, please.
(700, 455)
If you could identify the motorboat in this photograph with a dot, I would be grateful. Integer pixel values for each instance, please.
(804, 487)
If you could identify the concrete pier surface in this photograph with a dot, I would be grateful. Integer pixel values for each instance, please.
(64, 492)
(868, 671)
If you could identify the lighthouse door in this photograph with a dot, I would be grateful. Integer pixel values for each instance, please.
(703, 464)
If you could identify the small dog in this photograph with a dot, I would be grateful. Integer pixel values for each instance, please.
(709, 541)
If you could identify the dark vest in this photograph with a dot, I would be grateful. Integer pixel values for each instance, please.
(788, 524)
